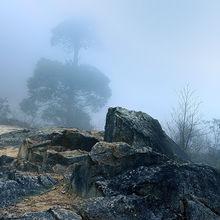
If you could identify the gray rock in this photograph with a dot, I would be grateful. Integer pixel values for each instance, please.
(107, 160)
(140, 173)
(15, 185)
(67, 138)
(63, 214)
(122, 207)
(195, 210)
(140, 130)
(169, 191)
(73, 139)
(51, 214)
(13, 138)
(65, 158)
(143, 177)
(6, 160)
(47, 147)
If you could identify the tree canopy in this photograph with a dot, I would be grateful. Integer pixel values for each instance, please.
(65, 94)
(73, 35)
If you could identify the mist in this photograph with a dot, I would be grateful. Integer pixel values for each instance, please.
(148, 49)
(109, 109)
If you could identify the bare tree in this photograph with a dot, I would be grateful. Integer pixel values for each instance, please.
(185, 119)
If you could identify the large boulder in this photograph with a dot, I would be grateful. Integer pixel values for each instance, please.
(140, 130)
(165, 191)
(140, 173)
(107, 160)
(73, 139)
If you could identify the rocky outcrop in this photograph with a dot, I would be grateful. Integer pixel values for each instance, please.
(68, 139)
(125, 183)
(73, 139)
(140, 130)
(33, 152)
(146, 176)
(137, 172)
(65, 158)
(15, 185)
(13, 138)
(59, 146)
(107, 160)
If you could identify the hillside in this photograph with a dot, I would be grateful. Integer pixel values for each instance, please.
(133, 170)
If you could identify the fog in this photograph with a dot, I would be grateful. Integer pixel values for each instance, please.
(149, 49)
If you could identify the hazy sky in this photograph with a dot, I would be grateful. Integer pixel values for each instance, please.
(148, 48)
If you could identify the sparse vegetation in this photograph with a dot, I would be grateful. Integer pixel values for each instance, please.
(184, 125)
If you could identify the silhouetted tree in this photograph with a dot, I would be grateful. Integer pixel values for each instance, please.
(64, 94)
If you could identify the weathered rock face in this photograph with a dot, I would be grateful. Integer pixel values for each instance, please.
(171, 183)
(73, 139)
(65, 158)
(13, 138)
(140, 130)
(66, 138)
(141, 178)
(15, 185)
(107, 160)
(56, 146)
(168, 191)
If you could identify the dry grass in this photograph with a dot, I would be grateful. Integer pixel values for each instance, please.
(57, 197)
(9, 151)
